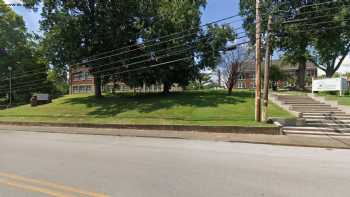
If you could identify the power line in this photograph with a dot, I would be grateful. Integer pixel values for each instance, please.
(143, 55)
(165, 36)
(24, 86)
(31, 71)
(306, 19)
(323, 10)
(148, 60)
(154, 52)
(161, 64)
(317, 4)
(144, 61)
(31, 84)
(312, 29)
(168, 54)
(27, 88)
(158, 42)
(27, 75)
(15, 84)
(319, 23)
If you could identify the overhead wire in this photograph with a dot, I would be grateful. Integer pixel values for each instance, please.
(165, 36)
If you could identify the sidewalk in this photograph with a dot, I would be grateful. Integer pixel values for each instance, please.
(306, 141)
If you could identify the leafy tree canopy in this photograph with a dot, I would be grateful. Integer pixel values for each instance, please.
(18, 51)
(76, 29)
(319, 33)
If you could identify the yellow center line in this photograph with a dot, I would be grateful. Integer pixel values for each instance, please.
(34, 189)
(51, 185)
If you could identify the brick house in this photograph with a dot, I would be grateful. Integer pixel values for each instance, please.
(246, 77)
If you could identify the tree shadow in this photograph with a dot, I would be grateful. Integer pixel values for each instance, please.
(112, 105)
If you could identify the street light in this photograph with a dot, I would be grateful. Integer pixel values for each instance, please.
(10, 95)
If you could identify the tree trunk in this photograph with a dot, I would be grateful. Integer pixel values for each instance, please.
(230, 88)
(166, 88)
(98, 81)
(114, 84)
(330, 72)
(274, 86)
(301, 75)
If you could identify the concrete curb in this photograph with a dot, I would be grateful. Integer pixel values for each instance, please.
(184, 128)
(280, 140)
(293, 144)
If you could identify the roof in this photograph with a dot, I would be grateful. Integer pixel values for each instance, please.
(288, 66)
(249, 65)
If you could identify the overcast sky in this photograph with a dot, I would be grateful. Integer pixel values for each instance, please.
(215, 10)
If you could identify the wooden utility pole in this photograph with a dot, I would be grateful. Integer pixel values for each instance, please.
(267, 68)
(257, 63)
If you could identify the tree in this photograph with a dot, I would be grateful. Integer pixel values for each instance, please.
(203, 81)
(231, 64)
(331, 41)
(58, 84)
(76, 29)
(19, 51)
(318, 33)
(200, 46)
(276, 75)
(293, 45)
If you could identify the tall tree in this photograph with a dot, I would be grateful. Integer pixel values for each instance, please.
(330, 40)
(19, 52)
(179, 22)
(319, 32)
(295, 46)
(232, 63)
(76, 29)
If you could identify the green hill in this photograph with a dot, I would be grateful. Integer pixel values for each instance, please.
(189, 108)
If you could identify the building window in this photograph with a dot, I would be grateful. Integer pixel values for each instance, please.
(241, 76)
(253, 76)
(82, 89)
(81, 76)
(240, 84)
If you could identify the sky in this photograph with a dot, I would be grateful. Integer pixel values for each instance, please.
(215, 10)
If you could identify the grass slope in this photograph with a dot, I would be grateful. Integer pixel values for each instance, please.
(189, 108)
(342, 100)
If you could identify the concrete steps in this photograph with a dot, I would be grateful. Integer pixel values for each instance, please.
(331, 125)
(327, 121)
(319, 111)
(315, 108)
(328, 114)
(320, 118)
(310, 105)
(325, 118)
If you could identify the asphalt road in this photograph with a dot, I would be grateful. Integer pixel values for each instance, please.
(59, 165)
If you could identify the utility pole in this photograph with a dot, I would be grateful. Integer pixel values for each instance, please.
(257, 62)
(267, 68)
(10, 94)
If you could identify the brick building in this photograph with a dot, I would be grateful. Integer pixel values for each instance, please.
(82, 82)
(246, 77)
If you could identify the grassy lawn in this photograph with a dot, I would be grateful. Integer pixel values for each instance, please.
(342, 100)
(189, 108)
